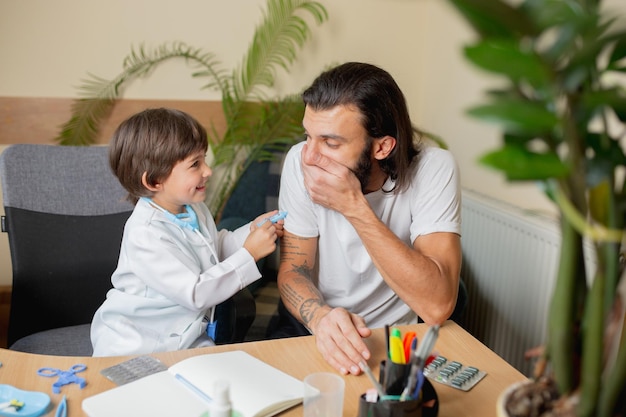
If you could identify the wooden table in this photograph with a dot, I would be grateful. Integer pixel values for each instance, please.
(295, 356)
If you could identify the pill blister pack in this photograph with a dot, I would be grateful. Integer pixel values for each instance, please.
(133, 369)
(453, 373)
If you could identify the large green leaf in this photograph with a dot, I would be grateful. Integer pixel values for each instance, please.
(506, 57)
(494, 18)
(547, 14)
(583, 60)
(605, 160)
(520, 164)
(619, 49)
(599, 101)
(517, 115)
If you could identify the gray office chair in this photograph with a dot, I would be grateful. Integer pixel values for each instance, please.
(64, 214)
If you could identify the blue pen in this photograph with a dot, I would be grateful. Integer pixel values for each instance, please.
(276, 217)
(413, 380)
(413, 348)
(193, 388)
(420, 383)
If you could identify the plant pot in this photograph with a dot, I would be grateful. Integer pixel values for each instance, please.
(532, 398)
(503, 398)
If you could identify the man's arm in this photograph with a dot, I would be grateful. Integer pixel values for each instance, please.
(338, 332)
(425, 276)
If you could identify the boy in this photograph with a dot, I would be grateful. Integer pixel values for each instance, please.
(174, 265)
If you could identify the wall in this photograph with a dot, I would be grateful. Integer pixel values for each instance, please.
(47, 47)
(418, 41)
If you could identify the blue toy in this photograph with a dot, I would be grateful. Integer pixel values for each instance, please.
(65, 377)
(276, 217)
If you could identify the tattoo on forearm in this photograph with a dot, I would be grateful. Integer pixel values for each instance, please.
(303, 270)
(290, 295)
(308, 309)
(301, 283)
(289, 250)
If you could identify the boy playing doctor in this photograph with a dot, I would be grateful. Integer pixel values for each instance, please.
(174, 265)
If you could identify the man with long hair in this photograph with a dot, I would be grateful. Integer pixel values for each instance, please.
(373, 232)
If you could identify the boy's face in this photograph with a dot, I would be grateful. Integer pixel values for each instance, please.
(185, 185)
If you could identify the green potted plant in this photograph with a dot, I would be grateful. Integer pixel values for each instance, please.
(562, 111)
(256, 125)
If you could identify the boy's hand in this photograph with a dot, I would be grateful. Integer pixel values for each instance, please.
(275, 217)
(263, 234)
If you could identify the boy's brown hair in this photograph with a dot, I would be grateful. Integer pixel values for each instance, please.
(153, 141)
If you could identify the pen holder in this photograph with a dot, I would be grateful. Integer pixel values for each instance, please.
(390, 408)
(393, 378)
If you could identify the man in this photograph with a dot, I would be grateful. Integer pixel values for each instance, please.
(373, 231)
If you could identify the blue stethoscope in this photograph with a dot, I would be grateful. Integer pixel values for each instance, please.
(189, 220)
(185, 220)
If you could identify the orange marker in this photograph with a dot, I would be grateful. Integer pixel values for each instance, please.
(407, 342)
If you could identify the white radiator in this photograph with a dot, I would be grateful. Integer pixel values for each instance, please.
(510, 258)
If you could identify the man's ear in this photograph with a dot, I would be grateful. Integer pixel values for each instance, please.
(382, 147)
(144, 181)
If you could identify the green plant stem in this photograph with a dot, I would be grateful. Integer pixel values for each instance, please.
(615, 383)
(562, 309)
(593, 332)
(596, 232)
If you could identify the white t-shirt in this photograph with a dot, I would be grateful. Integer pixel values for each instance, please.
(346, 275)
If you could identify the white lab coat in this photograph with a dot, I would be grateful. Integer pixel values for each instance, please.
(167, 279)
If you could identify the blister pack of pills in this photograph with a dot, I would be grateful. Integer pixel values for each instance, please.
(453, 373)
(133, 369)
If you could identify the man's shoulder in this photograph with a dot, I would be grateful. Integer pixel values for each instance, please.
(432, 151)
(292, 159)
(295, 150)
(434, 155)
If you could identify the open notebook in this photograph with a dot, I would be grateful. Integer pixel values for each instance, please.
(256, 389)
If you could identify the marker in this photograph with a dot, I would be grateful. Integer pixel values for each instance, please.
(409, 341)
(396, 348)
(276, 217)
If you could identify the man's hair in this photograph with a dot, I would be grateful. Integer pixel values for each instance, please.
(153, 141)
(383, 110)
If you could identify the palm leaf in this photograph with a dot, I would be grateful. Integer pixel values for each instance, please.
(100, 95)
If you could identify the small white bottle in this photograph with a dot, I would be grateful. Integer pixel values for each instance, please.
(221, 405)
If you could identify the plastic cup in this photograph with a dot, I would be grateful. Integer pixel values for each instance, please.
(323, 395)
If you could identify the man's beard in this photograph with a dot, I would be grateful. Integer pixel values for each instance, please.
(363, 169)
